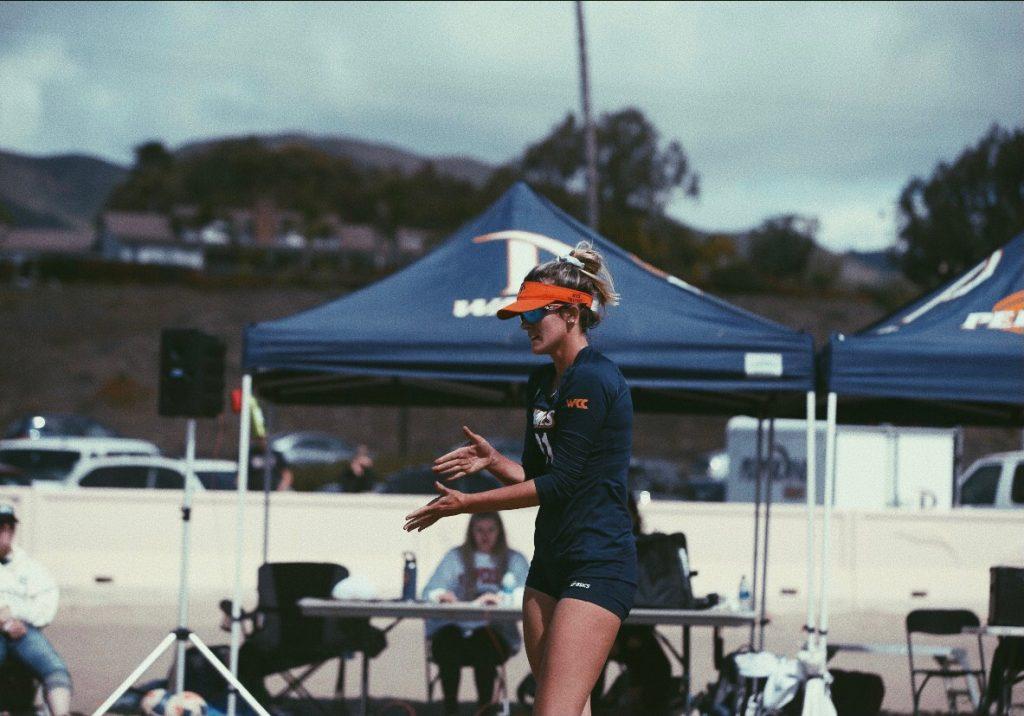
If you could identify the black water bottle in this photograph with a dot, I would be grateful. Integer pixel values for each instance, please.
(409, 578)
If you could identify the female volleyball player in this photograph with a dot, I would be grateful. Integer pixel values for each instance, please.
(578, 439)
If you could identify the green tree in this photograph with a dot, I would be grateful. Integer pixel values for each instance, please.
(781, 246)
(636, 171)
(152, 183)
(964, 210)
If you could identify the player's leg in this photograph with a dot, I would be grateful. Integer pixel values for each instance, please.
(577, 641)
(538, 609)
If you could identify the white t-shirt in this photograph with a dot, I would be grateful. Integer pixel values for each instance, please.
(27, 589)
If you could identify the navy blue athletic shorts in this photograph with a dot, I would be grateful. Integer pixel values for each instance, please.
(609, 584)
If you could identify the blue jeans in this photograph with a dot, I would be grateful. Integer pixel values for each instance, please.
(37, 653)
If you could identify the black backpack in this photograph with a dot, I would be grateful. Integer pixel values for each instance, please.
(664, 572)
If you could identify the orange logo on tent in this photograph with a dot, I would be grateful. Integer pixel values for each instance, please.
(1007, 315)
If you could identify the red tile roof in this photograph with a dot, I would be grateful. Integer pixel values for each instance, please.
(139, 227)
(47, 240)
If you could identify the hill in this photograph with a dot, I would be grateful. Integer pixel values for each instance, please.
(64, 190)
(370, 155)
(69, 190)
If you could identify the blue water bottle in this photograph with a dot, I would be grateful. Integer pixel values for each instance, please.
(409, 578)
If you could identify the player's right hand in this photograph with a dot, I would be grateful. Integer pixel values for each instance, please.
(467, 459)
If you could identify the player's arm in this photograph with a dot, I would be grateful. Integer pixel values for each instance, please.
(477, 455)
(452, 502)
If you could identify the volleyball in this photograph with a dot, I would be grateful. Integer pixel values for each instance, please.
(159, 702)
(187, 703)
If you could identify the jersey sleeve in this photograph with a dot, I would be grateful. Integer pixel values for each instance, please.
(583, 406)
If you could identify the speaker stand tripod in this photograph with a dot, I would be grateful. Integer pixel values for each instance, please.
(182, 634)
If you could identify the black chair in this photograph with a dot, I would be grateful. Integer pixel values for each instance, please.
(18, 688)
(943, 622)
(280, 639)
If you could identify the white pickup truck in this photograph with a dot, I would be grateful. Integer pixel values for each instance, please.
(993, 481)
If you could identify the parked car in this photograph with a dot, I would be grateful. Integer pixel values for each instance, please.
(658, 478)
(57, 425)
(136, 472)
(217, 474)
(55, 458)
(707, 479)
(994, 481)
(311, 448)
(420, 479)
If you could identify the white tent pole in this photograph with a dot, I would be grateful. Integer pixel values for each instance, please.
(757, 528)
(241, 489)
(830, 478)
(812, 505)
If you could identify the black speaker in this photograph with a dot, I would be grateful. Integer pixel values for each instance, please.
(1006, 596)
(191, 374)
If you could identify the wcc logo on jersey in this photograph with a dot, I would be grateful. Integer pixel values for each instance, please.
(522, 253)
(580, 403)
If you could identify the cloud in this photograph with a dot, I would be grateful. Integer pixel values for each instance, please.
(27, 73)
(822, 108)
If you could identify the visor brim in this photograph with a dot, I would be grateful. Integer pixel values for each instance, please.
(522, 306)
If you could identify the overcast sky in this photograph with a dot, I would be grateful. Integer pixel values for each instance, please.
(818, 109)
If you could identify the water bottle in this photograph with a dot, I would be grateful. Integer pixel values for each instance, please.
(745, 602)
(508, 588)
(409, 577)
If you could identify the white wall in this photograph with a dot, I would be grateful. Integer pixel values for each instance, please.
(134, 538)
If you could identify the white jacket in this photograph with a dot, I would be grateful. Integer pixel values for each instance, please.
(27, 588)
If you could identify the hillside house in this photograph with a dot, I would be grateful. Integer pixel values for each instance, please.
(145, 238)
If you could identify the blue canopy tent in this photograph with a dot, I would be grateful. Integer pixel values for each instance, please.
(953, 357)
(427, 335)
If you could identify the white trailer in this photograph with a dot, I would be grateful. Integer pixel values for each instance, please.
(876, 466)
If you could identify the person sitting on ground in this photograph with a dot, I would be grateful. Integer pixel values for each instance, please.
(474, 572)
(28, 602)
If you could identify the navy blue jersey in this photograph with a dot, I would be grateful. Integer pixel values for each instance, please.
(578, 442)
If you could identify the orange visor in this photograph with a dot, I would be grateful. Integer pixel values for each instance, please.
(534, 294)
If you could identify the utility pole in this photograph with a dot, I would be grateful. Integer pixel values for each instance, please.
(590, 140)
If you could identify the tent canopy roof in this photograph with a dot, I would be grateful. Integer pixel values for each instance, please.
(427, 334)
(954, 356)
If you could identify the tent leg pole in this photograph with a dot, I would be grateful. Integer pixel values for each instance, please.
(767, 523)
(830, 479)
(811, 487)
(267, 475)
(240, 490)
(758, 464)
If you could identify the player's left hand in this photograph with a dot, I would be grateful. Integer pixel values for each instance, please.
(449, 502)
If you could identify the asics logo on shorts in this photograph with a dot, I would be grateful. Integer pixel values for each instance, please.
(582, 585)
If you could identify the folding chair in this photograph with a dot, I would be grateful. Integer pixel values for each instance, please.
(943, 622)
(500, 697)
(281, 639)
(20, 691)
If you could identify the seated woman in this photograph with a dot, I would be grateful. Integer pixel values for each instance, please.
(474, 572)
